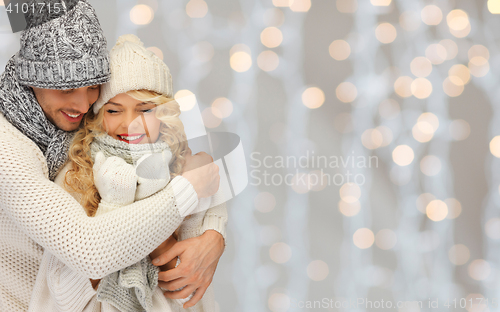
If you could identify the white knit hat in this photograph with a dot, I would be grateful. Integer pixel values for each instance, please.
(133, 67)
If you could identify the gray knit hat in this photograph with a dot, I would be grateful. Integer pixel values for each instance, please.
(66, 50)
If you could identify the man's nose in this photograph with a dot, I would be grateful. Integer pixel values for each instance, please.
(81, 101)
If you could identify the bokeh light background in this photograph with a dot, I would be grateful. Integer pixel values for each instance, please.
(415, 83)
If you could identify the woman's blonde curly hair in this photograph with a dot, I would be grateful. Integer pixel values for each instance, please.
(80, 177)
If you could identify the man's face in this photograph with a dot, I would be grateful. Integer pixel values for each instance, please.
(66, 108)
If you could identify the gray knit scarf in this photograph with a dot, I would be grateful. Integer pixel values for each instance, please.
(130, 289)
(20, 107)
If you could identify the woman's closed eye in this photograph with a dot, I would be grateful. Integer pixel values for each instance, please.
(147, 111)
(111, 111)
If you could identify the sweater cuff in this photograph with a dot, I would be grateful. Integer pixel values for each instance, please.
(216, 223)
(185, 195)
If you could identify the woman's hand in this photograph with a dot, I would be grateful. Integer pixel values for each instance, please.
(199, 258)
(163, 248)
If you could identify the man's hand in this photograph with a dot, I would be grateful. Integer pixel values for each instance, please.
(203, 174)
(199, 258)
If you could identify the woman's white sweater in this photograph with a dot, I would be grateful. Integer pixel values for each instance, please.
(35, 214)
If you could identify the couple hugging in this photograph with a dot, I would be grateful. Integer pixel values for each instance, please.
(102, 205)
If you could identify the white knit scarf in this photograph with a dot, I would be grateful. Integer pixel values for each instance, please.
(130, 289)
(20, 107)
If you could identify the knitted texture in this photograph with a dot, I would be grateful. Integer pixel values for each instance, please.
(133, 67)
(35, 212)
(19, 105)
(130, 289)
(64, 50)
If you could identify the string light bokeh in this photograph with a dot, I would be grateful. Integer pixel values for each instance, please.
(413, 83)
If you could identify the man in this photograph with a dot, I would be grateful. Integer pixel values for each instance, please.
(45, 90)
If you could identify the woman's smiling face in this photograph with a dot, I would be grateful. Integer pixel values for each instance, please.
(130, 120)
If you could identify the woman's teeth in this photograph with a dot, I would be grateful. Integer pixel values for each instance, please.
(131, 138)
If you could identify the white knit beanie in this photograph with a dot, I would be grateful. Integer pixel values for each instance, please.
(133, 67)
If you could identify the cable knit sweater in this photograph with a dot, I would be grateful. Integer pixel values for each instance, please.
(35, 214)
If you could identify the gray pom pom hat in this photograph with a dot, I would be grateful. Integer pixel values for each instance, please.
(66, 50)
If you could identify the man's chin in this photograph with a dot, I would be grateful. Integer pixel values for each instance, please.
(68, 127)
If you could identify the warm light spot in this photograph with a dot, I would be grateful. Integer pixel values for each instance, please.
(423, 132)
(372, 139)
(300, 5)
(141, 14)
(432, 15)
(381, 2)
(282, 3)
(265, 202)
(459, 254)
(346, 92)
(274, 17)
(421, 66)
(451, 48)
(457, 20)
(340, 50)
(347, 6)
(436, 53)
(436, 210)
(461, 33)
(279, 303)
(268, 61)
(343, 123)
(203, 51)
(280, 253)
(157, 52)
(495, 146)
(313, 97)
(459, 129)
(386, 239)
(426, 119)
(423, 200)
(389, 109)
(430, 165)
(402, 86)
(241, 61)
(479, 66)
(271, 37)
(492, 228)
(479, 50)
(386, 33)
(387, 135)
(479, 269)
(186, 99)
(494, 6)
(421, 88)
(1, 3)
(454, 208)
(409, 20)
(317, 270)
(209, 119)
(350, 192)
(453, 86)
(349, 209)
(363, 238)
(196, 8)
(403, 155)
(460, 71)
(222, 108)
